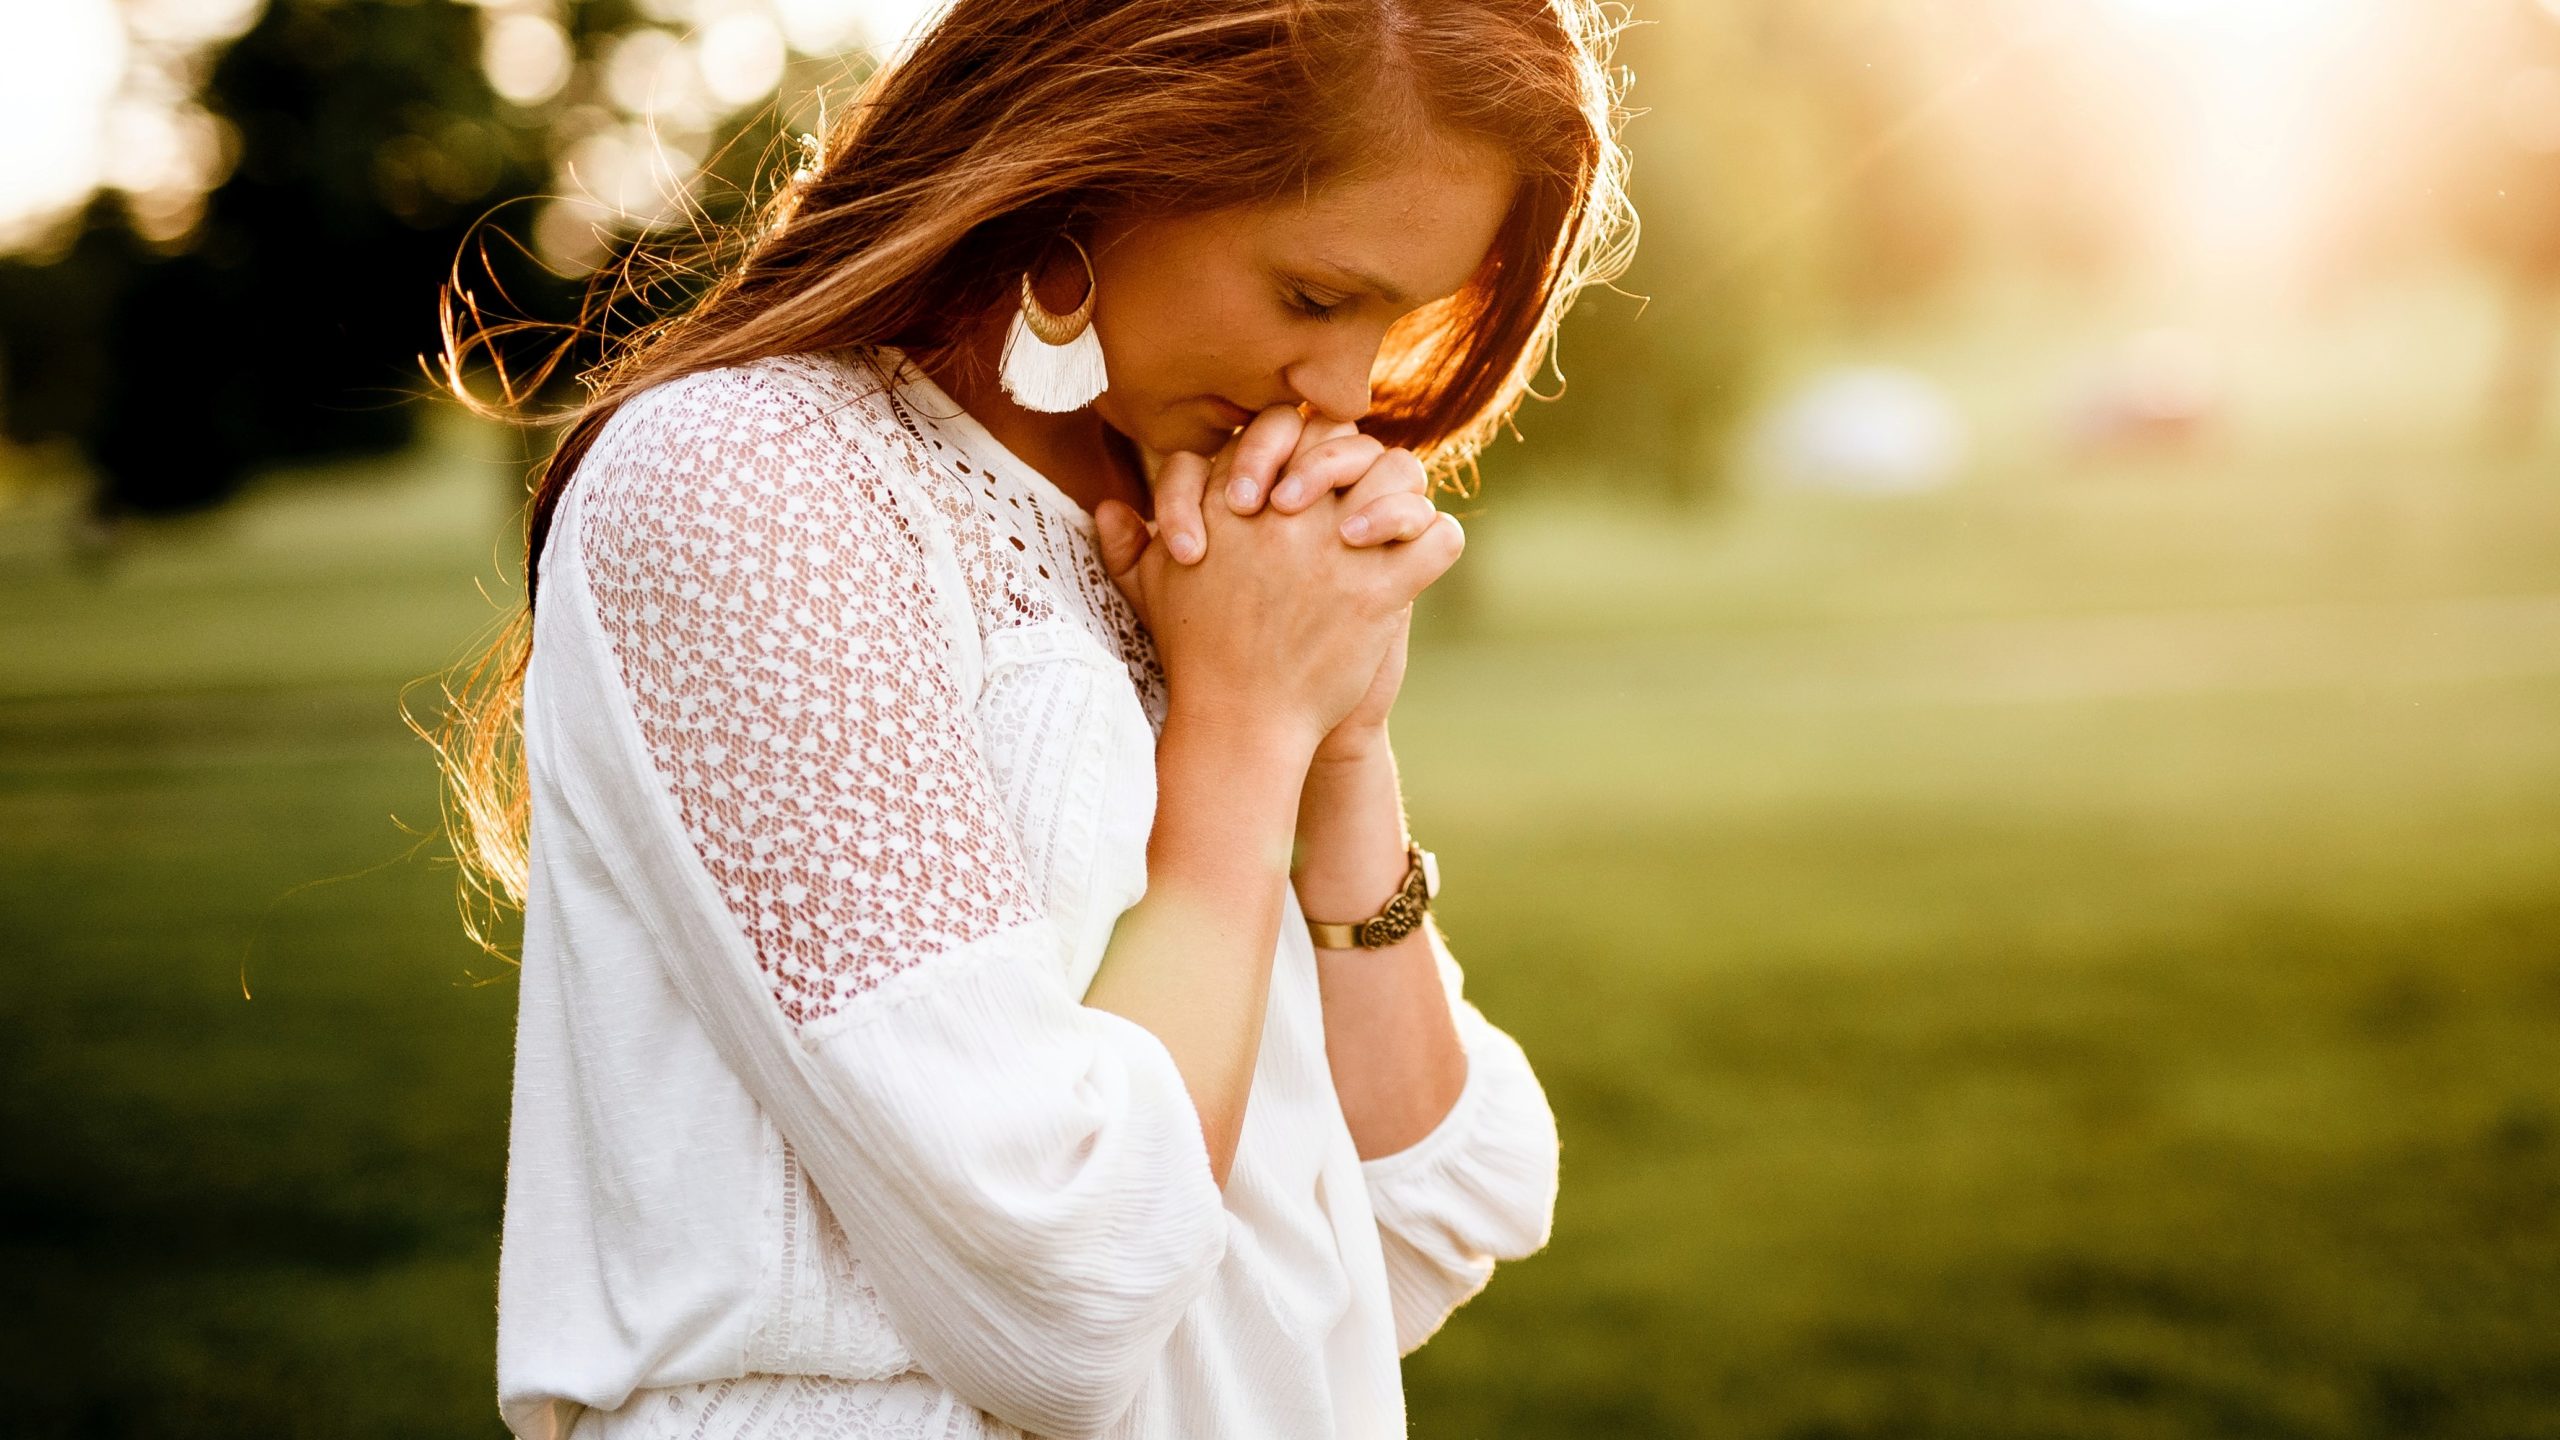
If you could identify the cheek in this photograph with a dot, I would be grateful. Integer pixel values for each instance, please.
(1179, 328)
(1184, 319)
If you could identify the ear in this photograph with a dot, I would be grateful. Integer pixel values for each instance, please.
(1124, 536)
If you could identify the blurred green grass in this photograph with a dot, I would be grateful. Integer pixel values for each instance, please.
(2076, 954)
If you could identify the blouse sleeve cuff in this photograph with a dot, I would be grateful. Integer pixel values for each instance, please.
(1485, 1176)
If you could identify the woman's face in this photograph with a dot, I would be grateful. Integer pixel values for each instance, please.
(1206, 319)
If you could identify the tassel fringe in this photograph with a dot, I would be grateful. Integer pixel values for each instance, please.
(1051, 378)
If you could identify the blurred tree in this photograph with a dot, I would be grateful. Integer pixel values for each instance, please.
(1661, 368)
(1806, 167)
(1893, 209)
(285, 325)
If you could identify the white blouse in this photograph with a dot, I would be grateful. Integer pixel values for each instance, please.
(841, 747)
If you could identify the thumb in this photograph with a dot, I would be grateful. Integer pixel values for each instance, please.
(1123, 535)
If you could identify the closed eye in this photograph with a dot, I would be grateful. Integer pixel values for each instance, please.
(1314, 309)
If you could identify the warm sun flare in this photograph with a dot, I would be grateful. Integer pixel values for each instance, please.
(2245, 91)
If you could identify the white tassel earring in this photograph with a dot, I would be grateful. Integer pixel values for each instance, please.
(1053, 362)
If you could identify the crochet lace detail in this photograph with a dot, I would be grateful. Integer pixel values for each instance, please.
(770, 606)
(913, 1406)
(1024, 562)
(825, 1318)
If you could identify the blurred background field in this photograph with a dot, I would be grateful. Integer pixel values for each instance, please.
(2000, 749)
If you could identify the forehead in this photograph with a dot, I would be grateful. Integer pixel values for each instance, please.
(1422, 223)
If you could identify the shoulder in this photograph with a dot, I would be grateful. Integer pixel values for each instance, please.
(783, 439)
(781, 492)
(793, 409)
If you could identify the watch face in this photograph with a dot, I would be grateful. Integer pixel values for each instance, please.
(1430, 874)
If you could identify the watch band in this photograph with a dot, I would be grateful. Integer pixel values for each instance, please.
(1401, 916)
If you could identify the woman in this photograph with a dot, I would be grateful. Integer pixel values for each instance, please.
(923, 1029)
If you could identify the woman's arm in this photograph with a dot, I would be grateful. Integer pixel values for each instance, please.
(1456, 1140)
(1269, 642)
(1398, 1064)
(1397, 1061)
(1191, 961)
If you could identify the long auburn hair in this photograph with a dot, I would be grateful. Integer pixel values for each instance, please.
(1010, 122)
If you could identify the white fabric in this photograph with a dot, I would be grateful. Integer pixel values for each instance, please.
(842, 755)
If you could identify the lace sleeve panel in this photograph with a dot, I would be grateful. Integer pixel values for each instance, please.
(770, 610)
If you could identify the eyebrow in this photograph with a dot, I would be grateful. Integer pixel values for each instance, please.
(1386, 289)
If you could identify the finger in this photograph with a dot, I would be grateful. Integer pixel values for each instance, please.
(1393, 472)
(1254, 457)
(1389, 519)
(1318, 431)
(1428, 556)
(1334, 465)
(1314, 436)
(1180, 486)
(1123, 536)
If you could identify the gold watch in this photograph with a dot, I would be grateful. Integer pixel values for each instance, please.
(1401, 917)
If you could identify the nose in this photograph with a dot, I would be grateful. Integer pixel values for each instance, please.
(1335, 380)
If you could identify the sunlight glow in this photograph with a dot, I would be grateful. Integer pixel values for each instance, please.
(62, 66)
(826, 27)
(741, 57)
(2529, 110)
(650, 72)
(2252, 114)
(95, 93)
(525, 57)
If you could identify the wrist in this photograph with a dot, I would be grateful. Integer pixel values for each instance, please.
(1350, 887)
(1351, 798)
(1393, 921)
(1351, 834)
(1250, 735)
(1352, 748)
(1226, 800)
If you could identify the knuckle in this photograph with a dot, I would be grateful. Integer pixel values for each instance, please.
(1394, 520)
(1409, 513)
(1406, 469)
(1359, 460)
(1438, 541)
(1350, 443)
(1453, 536)
(1272, 433)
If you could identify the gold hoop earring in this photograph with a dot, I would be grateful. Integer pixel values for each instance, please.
(1053, 362)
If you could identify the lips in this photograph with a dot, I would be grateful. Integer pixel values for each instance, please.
(1228, 411)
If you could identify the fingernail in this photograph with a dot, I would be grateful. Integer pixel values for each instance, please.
(1240, 491)
(1186, 547)
(1286, 497)
(1356, 529)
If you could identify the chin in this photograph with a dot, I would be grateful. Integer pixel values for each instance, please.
(1166, 437)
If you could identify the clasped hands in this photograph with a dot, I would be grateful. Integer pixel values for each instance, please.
(1322, 537)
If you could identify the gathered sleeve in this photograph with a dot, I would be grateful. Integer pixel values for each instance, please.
(1025, 1177)
(1480, 1187)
